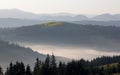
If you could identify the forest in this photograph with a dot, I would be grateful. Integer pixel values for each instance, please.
(99, 66)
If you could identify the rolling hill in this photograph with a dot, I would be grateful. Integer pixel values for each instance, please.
(105, 38)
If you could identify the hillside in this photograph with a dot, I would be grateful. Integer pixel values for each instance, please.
(105, 38)
(112, 68)
(10, 52)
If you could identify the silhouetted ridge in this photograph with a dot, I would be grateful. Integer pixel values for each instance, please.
(13, 52)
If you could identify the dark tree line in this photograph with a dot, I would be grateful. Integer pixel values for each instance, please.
(98, 66)
(105, 60)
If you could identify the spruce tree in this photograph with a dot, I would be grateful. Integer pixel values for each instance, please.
(37, 68)
(46, 66)
(10, 70)
(62, 69)
(1, 71)
(28, 70)
(53, 66)
(22, 68)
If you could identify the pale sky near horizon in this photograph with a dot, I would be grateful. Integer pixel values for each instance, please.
(88, 7)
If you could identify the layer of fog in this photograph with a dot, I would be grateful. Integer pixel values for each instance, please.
(72, 52)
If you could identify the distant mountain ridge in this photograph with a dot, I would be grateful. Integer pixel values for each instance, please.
(107, 17)
(14, 22)
(16, 13)
(101, 23)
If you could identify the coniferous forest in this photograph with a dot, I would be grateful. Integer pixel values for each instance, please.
(98, 66)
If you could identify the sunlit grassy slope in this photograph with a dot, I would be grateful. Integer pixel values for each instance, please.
(53, 24)
(109, 66)
(116, 74)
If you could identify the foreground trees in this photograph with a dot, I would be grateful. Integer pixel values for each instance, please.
(49, 67)
(28, 71)
(1, 71)
(17, 69)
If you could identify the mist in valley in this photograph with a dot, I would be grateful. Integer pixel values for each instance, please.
(71, 52)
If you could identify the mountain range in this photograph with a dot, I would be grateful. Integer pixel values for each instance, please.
(19, 14)
(16, 18)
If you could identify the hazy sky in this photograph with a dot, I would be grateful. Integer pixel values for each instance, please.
(59, 6)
